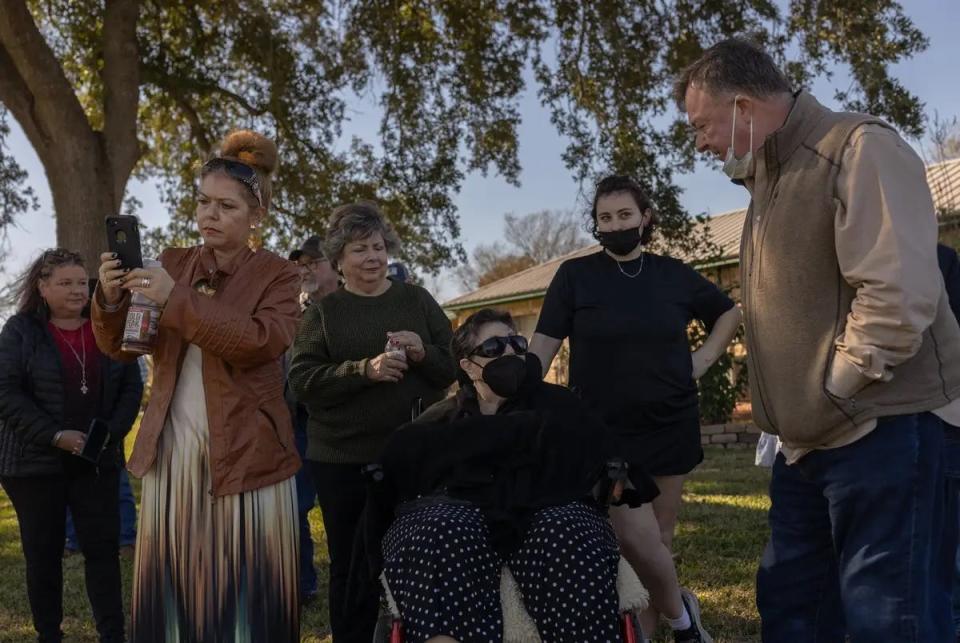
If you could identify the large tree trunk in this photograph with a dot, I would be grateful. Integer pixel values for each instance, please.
(87, 170)
(83, 194)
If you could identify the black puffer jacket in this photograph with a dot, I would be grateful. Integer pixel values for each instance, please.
(31, 400)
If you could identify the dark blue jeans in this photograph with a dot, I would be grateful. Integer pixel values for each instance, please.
(855, 541)
(306, 500)
(951, 551)
(128, 517)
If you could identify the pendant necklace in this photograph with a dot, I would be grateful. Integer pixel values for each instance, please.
(81, 358)
(627, 274)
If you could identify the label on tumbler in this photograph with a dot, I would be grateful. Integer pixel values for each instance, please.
(142, 324)
(140, 330)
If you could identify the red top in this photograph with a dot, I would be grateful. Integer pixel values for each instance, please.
(78, 408)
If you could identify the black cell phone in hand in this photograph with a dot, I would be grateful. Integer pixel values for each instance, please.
(123, 239)
(98, 434)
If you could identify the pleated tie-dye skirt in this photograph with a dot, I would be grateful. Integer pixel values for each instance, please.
(211, 570)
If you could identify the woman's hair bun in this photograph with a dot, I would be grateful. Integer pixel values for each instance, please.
(247, 146)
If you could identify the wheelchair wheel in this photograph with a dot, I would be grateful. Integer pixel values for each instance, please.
(630, 631)
(381, 634)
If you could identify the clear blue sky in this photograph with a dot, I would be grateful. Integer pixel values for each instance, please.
(545, 183)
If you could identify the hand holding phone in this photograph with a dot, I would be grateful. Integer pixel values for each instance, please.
(123, 239)
(97, 437)
(71, 441)
(111, 277)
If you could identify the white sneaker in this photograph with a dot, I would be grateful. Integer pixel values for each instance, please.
(695, 633)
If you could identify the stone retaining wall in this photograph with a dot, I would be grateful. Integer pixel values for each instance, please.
(732, 436)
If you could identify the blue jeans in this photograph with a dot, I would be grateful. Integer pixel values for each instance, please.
(128, 517)
(306, 500)
(951, 553)
(855, 537)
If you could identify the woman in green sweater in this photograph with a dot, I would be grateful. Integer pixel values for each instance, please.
(355, 391)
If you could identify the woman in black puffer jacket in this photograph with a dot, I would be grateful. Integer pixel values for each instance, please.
(53, 384)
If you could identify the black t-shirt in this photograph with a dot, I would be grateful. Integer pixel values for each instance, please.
(629, 353)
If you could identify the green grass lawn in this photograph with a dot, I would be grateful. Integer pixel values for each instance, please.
(721, 534)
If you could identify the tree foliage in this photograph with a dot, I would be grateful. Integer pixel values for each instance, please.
(724, 383)
(528, 240)
(149, 86)
(16, 198)
(944, 139)
(546, 234)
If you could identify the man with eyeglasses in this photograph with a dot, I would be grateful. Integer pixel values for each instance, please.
(853, 352)
(317, 276)
(317, 280)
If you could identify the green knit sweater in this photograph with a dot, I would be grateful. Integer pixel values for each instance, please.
(350, 415)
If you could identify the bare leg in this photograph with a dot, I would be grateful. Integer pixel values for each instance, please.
(441, 639)
(640, 542)
(666, 506)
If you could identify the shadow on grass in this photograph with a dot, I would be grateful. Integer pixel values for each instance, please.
(721, 533)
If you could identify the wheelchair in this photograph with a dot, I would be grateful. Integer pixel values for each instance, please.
(518, 626)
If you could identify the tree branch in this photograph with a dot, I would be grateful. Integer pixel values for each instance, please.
(121, 85)
(55, 107)
(197, 130)
(238, 99)
(179, 85)
(16, 96)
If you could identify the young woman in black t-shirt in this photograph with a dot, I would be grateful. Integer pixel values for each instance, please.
(626, 313)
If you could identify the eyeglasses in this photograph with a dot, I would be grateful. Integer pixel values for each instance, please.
(240, 171)
(312, 264)
(496, 346)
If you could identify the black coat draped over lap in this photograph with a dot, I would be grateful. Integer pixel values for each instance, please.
(542, 448)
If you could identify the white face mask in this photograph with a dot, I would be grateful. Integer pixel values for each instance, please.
(738, 168)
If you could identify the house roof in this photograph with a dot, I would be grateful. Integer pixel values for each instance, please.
(944, 180)
(723, 229)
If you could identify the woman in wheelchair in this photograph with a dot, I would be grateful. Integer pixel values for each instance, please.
(511, 470)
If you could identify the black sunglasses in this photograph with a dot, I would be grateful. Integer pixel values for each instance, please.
(495, 346)
(238, 170)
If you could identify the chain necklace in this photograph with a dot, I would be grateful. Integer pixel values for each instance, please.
(81, 358)
(627, 274)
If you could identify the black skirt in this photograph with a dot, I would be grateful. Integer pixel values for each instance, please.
(665, 450)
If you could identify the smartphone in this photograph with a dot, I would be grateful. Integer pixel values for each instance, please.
(123, 239)
(98, 434)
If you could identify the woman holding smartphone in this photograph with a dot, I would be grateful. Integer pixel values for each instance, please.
(216, 552)
(54, 384)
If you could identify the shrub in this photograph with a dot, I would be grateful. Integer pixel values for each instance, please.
(724, 383)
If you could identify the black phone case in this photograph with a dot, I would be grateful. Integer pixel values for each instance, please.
(97, 436)
(123, 239)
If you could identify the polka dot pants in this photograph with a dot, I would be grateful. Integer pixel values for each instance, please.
(445, 576)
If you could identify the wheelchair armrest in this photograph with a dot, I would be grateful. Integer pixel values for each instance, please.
(372, 472)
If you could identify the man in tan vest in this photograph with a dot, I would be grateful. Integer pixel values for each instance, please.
(854, 354)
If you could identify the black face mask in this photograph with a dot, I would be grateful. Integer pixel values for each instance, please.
(505, 375)
(620, 242)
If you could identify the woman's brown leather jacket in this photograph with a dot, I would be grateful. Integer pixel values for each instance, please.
(243, 329)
